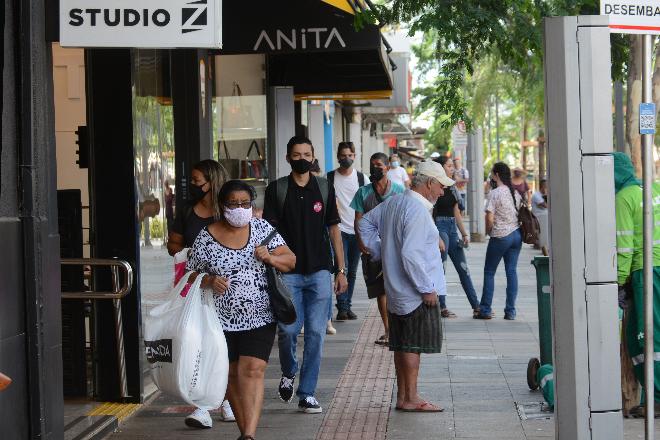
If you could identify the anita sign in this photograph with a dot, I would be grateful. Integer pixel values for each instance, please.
(310, 38)
(141, 23)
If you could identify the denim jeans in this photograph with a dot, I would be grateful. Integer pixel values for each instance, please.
(447, 229)
(507, 248)
(351, 260)
(311, 294)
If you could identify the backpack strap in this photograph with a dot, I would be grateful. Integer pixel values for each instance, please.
(331, 177)
(282, 186)
(325, 190)
(360, 179)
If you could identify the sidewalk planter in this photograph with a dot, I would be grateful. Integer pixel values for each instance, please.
(542, 266)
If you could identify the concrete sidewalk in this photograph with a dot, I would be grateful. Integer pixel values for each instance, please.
(478, 378)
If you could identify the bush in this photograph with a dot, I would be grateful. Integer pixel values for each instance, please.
(156, 227)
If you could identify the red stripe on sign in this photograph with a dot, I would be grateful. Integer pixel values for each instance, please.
(639, 28)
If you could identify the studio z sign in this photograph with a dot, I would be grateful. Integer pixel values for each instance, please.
(141, 23)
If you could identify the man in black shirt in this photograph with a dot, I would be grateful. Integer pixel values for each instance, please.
(303, 209)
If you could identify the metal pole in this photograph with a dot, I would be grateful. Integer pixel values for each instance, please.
(647, 163)
(119, 333)
(497, 125)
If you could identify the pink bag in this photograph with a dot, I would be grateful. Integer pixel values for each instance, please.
(180, 260)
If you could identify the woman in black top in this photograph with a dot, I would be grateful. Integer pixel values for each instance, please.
(447, 216)
(203, 208)
(206, 179)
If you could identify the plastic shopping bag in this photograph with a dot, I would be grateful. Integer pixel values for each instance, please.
(180, 261)
(186, 347)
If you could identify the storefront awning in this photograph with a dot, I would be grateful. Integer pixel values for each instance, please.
(311, 45)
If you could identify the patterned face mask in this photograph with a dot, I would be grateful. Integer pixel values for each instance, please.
(238, 217)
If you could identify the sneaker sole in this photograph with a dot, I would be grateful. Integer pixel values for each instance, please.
(194, 423)
(228, 419)
(311, 410)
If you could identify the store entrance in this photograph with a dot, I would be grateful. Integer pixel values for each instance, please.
(116, 195)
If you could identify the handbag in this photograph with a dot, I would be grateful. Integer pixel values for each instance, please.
(231, 165)
(530, 228)
(253, 168)
(279, 294)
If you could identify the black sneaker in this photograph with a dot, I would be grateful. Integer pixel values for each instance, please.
(285, 390)
(352, 316)
(342, 316)
(309, 405)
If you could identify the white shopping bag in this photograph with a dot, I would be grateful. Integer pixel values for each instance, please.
(186, 347)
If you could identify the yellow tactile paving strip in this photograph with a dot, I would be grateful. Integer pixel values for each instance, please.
(119, 410)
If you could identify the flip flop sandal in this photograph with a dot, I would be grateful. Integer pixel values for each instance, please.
(421, 408)
(446, 313)
(382, 341)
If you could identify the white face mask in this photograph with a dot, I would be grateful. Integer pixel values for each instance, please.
(395, 164)
(238, 217)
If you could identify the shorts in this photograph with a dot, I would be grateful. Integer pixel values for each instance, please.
(420, 331)
(257, 342)
(373, 277)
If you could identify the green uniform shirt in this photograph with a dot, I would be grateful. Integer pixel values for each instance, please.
(629, 230)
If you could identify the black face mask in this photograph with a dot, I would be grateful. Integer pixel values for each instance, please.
(345, 163)
(196, 193)
(300, 166)
(375, 174)
(493, 183)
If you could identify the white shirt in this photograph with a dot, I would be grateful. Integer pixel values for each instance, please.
(345, 189)
(398, 175)
(505, 213)
(537, 199)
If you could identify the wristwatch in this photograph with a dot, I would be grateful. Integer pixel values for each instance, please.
(341, 271)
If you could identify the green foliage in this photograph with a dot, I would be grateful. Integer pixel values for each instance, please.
(477, 47)
(156, 229)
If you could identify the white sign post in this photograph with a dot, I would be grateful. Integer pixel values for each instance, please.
(643, 17)
(141, 23)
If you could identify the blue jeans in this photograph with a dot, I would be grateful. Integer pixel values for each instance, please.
(351, 259)
(311, 294)
(447, 229)
(507, 248)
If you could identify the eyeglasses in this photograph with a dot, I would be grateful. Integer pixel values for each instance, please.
(244, 205)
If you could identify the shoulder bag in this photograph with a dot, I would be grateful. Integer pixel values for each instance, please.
(279, 294)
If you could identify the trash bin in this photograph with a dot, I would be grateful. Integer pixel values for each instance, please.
(542, 265)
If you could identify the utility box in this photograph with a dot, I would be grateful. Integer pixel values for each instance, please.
(578, 99)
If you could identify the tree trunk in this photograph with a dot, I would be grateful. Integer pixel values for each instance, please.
(634, 98)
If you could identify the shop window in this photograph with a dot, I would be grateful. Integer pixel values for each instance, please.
(240, 117)
(153, 146)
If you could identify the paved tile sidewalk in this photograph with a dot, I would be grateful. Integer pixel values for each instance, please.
(478, 378)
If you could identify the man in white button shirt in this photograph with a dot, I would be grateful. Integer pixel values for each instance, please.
(400, 232)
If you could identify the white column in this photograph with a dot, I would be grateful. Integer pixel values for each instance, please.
(475, 189)
(316, 131)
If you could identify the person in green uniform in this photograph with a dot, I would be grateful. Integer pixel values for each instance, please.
(630, 264)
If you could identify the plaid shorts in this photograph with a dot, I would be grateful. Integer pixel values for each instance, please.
(420, 331)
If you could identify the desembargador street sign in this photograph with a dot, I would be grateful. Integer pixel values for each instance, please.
(632, 16)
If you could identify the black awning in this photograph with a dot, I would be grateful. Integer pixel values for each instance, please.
(311, 45)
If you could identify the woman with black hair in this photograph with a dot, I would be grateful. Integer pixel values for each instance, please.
(229, 254)
(505, 241)
(447, 217)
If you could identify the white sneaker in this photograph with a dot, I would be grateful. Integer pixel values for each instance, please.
(200, 418)
(330, 330)
(226, 413)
